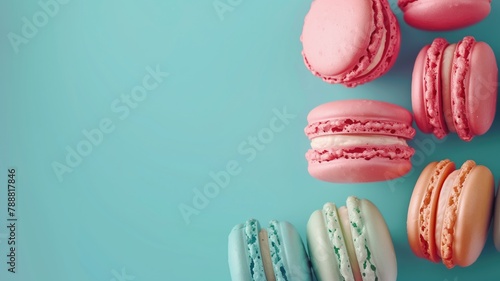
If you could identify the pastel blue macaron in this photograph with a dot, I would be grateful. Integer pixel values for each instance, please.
(273, 254)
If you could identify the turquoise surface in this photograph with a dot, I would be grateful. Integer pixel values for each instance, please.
(141, 132)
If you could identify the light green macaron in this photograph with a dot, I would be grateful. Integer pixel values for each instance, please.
(351, 243)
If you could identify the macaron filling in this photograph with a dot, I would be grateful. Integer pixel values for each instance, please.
(446, 86)
(378, 56)
(266, 255)
(337, 141)
(333, 147)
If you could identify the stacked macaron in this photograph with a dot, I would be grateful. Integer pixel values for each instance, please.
(359, 141)
(454, 88)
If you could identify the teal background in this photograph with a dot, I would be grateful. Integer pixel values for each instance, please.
(116, 215)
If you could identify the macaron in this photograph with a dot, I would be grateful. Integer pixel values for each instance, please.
(350, 42)
(437, 15)
(450, 212)
(359, 141)
(275, 253)
(351, 243)
(454, 88)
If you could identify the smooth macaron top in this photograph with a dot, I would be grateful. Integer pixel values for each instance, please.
(350, 42)
(294, 261)
(444, 14)
(482, 85)
(336, 34)
(360, 117)
(472, 207)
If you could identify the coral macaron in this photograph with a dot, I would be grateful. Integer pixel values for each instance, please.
(454, 88)
(444, 14)
(350, 42)
(450, 212)
(359, 141)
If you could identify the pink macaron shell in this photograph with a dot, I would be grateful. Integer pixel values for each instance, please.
(444, 14)
(359, 117)
(460, 71)
(482, 89)
(391, 49)
(359, 164)
(336, 35)
(359, 170)
(417, 92)
(432, 87)
(360, 109)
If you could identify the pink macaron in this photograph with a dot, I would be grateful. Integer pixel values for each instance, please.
(359, 141)
(444, 14)
(454, 88)
(350, 42)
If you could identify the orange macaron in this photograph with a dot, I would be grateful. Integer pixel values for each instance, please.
(450, 212)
